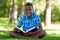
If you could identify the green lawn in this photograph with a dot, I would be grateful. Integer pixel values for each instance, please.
(52, 32)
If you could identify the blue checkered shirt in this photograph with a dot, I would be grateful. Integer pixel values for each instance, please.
(29, 22)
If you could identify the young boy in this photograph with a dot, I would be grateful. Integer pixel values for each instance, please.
(29, 20)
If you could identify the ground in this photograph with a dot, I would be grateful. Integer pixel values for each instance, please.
(53, 32)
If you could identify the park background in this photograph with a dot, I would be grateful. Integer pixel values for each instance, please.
(47, 10)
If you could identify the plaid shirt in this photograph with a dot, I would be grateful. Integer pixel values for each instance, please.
(29, 22)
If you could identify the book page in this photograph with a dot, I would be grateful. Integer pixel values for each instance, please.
(27, 30)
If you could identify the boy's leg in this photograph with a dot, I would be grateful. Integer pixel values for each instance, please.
(13, 34)
(39, 34)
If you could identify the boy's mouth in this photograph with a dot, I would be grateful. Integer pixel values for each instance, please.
(29, 15)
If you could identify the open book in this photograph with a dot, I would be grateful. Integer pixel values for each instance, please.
(27, 30)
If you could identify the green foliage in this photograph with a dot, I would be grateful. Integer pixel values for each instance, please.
(4, 7)
(55, 14)
(19, 4)
(55, 11)
(42, 16)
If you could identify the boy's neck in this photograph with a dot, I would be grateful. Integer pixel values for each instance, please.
(30, 16)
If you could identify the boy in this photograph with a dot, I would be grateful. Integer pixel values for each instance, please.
(29, 20)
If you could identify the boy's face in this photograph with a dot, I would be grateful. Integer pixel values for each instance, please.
(28, 10)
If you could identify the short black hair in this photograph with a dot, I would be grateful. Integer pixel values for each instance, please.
(29, 4)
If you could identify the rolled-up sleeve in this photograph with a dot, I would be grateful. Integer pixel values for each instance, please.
(38, 20)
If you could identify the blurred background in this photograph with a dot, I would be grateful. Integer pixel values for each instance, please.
(47, 10)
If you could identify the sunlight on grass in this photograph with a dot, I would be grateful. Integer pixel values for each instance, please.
(4, 22)
(3, 28)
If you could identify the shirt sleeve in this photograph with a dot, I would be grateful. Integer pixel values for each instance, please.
(38, 20)
(20, 22)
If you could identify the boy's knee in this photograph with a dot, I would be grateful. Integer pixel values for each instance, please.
(11, 33)
(43, 34)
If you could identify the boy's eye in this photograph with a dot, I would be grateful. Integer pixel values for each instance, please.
(28, 9)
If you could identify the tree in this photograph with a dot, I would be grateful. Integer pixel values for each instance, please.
(13, 12)
(22, 8)
(48, 13)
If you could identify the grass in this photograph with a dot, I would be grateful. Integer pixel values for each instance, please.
(52, 32)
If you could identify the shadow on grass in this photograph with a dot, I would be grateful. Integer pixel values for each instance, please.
(5, 35)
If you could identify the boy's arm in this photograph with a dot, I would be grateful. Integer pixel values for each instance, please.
(39, 29)
(16, 29)
(38, 20)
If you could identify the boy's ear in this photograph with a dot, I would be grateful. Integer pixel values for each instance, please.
(33, 9)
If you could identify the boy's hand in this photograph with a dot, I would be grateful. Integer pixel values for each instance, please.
(15, 29)
(39, 30)
(28, 33)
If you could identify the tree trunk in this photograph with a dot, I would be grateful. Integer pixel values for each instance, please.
(22, 8)
(13, 12)
(48, 13)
